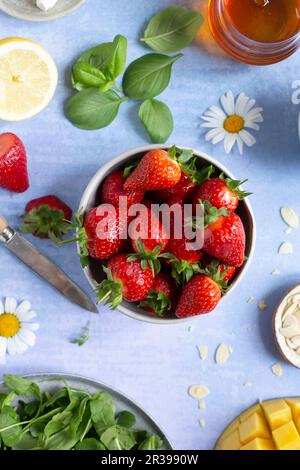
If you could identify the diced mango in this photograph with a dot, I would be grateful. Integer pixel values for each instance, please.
(254, 426)
(259, 444)
(253, 409)
(294, 404)
(232, 427)
(286, 437)
(231, 442)
(277, 413)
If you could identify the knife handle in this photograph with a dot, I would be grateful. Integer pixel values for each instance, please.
(3, 224)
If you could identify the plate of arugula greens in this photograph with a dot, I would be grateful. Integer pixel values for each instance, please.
(66, 412)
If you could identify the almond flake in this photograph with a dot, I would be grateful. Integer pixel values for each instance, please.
(247, 384)
(191, 329)
(262, 305)
(222, 354)
(202, 404)
(290, 320)
(277, 370)
(250, 300)
(289, 331)
(290, 344)
(296, 341)
(286, 248)
(288, 230)
(290, 217)
(198, 391)
(203, 351)
(202, 423)
(298, 351)
(276, 272)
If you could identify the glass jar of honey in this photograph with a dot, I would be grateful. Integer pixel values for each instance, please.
(257, 32)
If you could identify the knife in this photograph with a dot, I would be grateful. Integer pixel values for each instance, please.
(41, 265)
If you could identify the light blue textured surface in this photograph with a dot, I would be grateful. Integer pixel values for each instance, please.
(153, 364)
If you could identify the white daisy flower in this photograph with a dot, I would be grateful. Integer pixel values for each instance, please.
(230, 122)
(16, 330)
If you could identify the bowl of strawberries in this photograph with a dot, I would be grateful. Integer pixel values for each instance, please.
(164, 233)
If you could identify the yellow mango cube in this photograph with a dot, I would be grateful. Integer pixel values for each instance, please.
(232, 427)
(259, 444)
(286, 437)
(231, 442)
(254, 426)
(253, 409)
(294, 404)
(277, 413)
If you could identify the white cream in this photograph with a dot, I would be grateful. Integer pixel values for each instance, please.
(46, 5)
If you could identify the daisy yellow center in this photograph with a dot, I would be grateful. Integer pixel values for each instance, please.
(234, 124)
(9, 325)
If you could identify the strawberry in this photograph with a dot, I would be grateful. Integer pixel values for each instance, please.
(221, 192)
(182, 257)
(13, 164)
(47, 217)
(112, 190)
(200, 295)
(125, 280)
(162, 295)
(224, 235)
(214, 264)
(102, 233)
(149, 239)
(156, 170)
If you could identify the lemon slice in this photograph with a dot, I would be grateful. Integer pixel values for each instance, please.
(28, 79)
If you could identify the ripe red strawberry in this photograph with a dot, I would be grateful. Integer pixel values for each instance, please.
(47, 217)
(125, 280)
(181, 252)
(224, 236)
(112, 190)
(13, 164)
(157, 170)
(104, 233)
(162, 296)
(221, 192)
(200, 295)
(227, 272)
(149, 238)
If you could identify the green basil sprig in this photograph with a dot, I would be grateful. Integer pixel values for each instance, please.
(172, 29)
(157, 119)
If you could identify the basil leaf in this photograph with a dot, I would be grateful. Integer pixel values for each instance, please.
(148, 76)
(117, 61)
(90, 444)
(21, 386)
(172, 29)
(157, 119)
(98, 56)
(118, 438)
(88, 75)
(91, 109)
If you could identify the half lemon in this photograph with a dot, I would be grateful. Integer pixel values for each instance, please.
(28, 79)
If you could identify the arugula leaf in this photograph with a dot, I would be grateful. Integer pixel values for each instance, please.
(172, 29)
(148, 76)
(26, 442)
(90, 109)
(151, 443)
(126, 419)
(9, 432)
(118, 438)
(81, 341)
(102, 412)
(157, 119)
(21, 386)
(90, 444)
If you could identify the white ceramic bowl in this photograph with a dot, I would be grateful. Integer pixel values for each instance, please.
(90, 199)
(27, 9)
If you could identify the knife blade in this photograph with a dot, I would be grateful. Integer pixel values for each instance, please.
(45, 268)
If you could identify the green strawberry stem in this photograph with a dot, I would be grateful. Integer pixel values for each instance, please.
(148, 258)
(234, 186)
(188, 164)
(81, 239)
(157, 301)
(45, 221)
(182, 271)
(109, 290)
(215, 273)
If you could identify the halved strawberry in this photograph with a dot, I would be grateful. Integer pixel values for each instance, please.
(125, 280)
(13, 164)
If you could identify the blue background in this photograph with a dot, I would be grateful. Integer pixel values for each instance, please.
(155, 364)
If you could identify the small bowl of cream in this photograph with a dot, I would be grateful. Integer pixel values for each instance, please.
(286, 325)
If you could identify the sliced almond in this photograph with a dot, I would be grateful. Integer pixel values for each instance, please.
(288, 230)
(247, 384)
(290, 320)
(277, 370)
(198, 391)
(203, 351)
(290, 344)
(262, 305)
(290, 217)
(202, 404)
(296, 341)
(222, 354)
(276, 272)
(202, 423)
(295, 298)
(289, 310)
(250, 300)
(298, 351)
(289, 332)
(286, 248)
